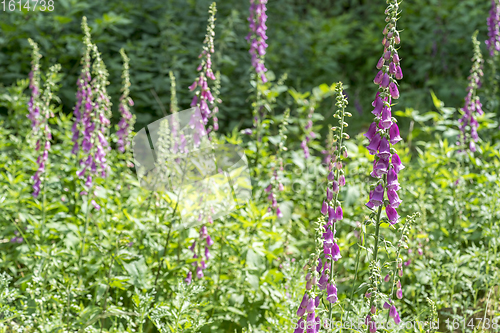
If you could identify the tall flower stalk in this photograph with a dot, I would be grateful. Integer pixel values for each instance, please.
(257, 38)
(467, 123)
(320, 277)
(84, 91)
(34, 102)
(493, 41)
(203, 96)
(127, 121)
(383, 133)
(92, 122)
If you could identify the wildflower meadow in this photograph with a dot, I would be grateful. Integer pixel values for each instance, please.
(250, 166)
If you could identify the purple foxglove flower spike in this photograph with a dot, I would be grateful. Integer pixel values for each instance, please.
(493, 42)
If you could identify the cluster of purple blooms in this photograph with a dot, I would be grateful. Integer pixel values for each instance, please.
(384, 131)
(204, 97)
(34, 86)
(272, 196)
(34, 116)
(127, 121)
(91, 114)
(493, 41)
(202, 264)
(39, 114)
(472, 105)
(257, 36)
(330, 251)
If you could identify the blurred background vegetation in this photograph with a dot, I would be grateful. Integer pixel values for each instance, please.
(313, 41)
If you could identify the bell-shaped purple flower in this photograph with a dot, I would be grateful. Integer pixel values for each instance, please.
(396, 163)
(379, 104)
(374, 144)
(385, 81)
(331, 292)
(378, 77)
(188, 278)
(392, 215)
(393, 312)
(329, 194)
(386, 120)
(335, 187)
(323, 280)
(299, 328)
(394, 134)
(335, 252)
(380, 168)
(339, 214)
(371, 131)
(392, 180)
(393, 197)
(378, 195)
(397, 320)
(399, 293)
(301, 311)
(324, 208)
(331, 214)
(342, 180)
(392, 68)
(311, 307)
(384, 150)
(380, 63)
(399, 72)
(393, 89)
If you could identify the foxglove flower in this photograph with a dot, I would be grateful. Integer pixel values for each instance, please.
(127, 121)
(493, 41)
(326, 236)
(467, 123)
(40, 113)
(257, 36)
(203, 96)
(34, 86)
(92, 121)
(382, 134)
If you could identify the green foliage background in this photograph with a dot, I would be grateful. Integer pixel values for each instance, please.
(314, 41)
